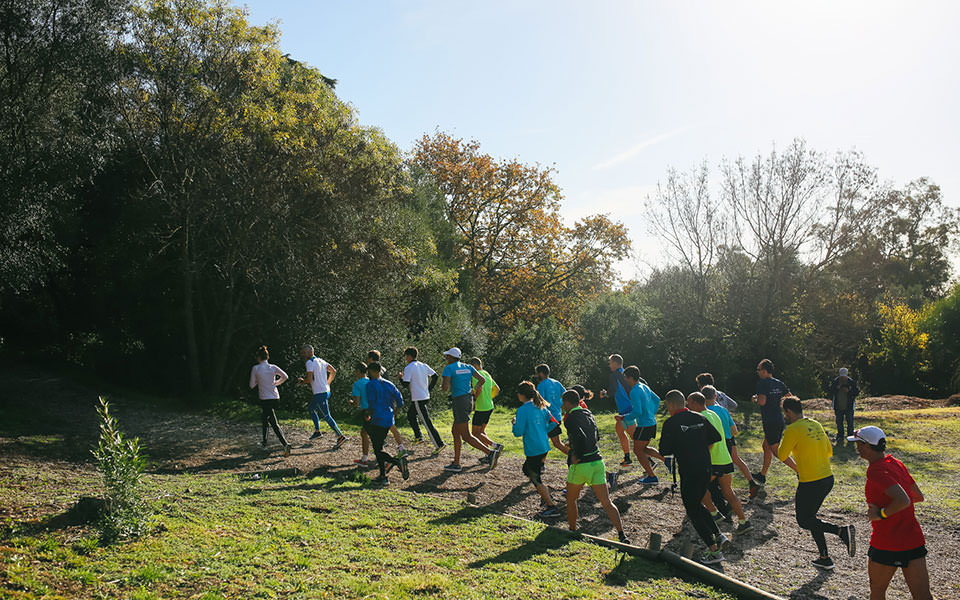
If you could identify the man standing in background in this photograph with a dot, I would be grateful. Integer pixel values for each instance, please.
(843, 392)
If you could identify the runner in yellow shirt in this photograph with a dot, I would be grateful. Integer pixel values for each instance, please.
(484, 405)
(811, 449)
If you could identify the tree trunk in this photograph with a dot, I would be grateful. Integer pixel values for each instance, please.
(193, 356)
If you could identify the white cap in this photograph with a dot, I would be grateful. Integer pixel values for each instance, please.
(454, 352)
(869, 434)
(843, 372)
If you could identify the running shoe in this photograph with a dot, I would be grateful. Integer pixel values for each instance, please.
(626, 462)
(436, 452)
(650, 480)
(744, 527)
(551, 511)
(754, 489)
(760, 478)
(417, 441)
(711, 557)
(622, 536)
(495, 456)
(263, 444)
(340, 441)
(612, 481)
(485, 460)
(848, 535)
(361, 463)
(824, 563)
(453, 468)
(403, 453)
(724, 543)
(380, 481)
(404, 468)
(286, 450)
(498, 446)
(316, 434)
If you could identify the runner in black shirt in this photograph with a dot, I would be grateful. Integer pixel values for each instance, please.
(688, 437)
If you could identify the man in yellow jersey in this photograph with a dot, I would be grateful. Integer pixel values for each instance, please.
(811, 449)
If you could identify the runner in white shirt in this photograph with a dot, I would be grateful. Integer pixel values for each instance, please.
(267, 377)
(319, 376)
(420, 379)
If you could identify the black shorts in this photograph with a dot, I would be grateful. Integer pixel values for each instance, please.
(731, 442)
(773, 431)
(645, 434)
(533, 468)
(481, 417)
(555, 432)
(721, 470)
(896, 558)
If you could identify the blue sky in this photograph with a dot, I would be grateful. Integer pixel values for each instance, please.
(613, 93)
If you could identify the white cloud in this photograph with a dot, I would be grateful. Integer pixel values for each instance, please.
(636, 149)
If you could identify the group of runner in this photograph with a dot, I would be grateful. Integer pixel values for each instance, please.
(697, 442)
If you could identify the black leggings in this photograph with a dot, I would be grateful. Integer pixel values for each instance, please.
(418, 408)
(716, 494)
(810, 495)
(267, 416)
(377, 436)
(693, 487)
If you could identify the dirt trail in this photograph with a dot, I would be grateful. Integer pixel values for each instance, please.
(775, 556)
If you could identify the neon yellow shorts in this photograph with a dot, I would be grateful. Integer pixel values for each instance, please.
(590, 473)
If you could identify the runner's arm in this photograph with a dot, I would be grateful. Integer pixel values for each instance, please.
(307, 379)
(282, 375)
(787, 444)
(446, 383)
(253, 379)
(331, 373)
(899, 500)
(433, 381)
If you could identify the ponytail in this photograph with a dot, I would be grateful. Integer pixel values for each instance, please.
(527, 390)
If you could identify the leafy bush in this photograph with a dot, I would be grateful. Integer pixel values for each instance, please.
(942, 324)
(897, 352)
(121, 466)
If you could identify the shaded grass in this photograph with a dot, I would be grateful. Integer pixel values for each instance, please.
(319, 537)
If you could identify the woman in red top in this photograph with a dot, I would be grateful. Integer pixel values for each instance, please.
(897, 540)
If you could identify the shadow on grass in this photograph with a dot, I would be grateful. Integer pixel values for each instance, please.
(634, 568)
(547, 540)
(469, 513)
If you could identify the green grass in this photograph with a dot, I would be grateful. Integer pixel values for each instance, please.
(318, 538)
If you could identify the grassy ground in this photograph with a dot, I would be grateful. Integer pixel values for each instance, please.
(314, 538)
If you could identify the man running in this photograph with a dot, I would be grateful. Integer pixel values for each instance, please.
(319, 376)
(421, 379)
(585, 464)
(382, 397)
(552, 391)
(616, 387)
(705, 379)
(358, 398)
(730, 433)
(769, 392)
(644, 405)
(484, 406)
(457, 379)
(266, 377)
(897, 540)
(811, 449)
(375, 356)
(688, 436)
(720, 491)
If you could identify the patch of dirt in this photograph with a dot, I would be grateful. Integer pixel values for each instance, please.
(891, 402)
(775, 556)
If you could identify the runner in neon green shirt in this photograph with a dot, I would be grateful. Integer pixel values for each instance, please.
(484, 405)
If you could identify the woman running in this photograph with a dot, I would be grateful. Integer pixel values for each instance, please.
(267, 377)
(533, 422)
(897, 541)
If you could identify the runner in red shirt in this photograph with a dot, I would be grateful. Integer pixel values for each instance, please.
(897, 540)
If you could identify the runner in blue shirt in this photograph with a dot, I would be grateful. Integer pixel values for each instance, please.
(458, 379)
(532, 423)
(617, 389)
(644, 405)
(552, 391)
(382, 397)
(769, 393)
(358, 398)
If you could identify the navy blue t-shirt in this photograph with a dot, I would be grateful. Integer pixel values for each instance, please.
(774, 390)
